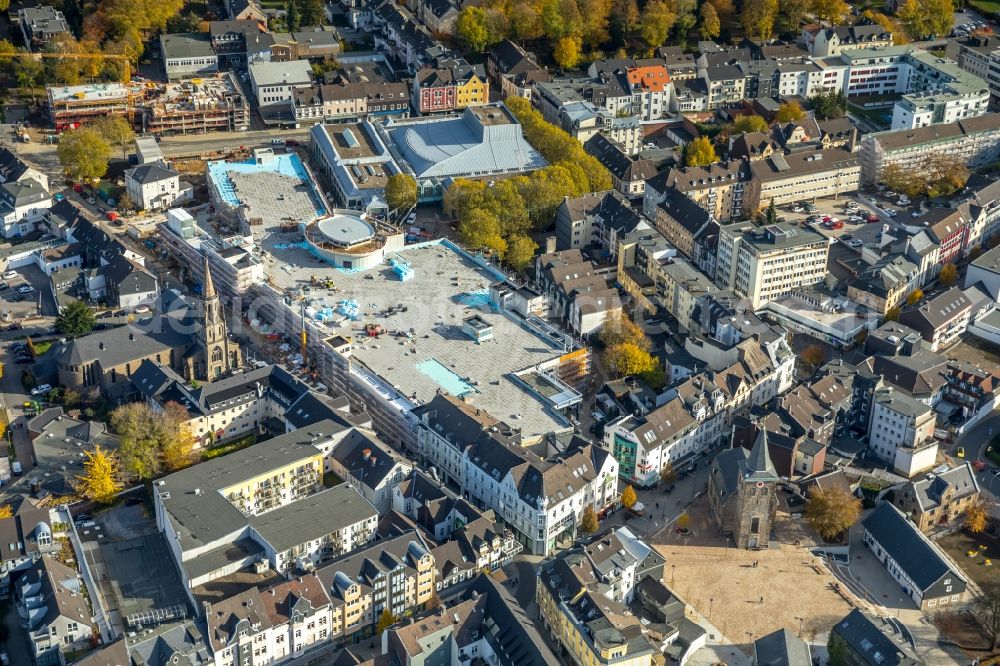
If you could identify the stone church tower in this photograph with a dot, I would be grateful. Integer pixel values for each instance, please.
(756, 498)
(215, 354)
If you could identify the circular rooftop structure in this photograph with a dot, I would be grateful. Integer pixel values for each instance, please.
(344, 230)
(345, 239)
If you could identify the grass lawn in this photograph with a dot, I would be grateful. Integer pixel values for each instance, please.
(985, 5)
(41, 347)
(877, 118)
(223, 449)
(961, 543)
(330, 480)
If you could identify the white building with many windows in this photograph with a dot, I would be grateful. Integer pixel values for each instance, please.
(901, 432)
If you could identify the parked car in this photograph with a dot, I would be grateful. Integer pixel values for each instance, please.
(857, 242)
(16, 468)
(91, 200)
(890, 213)
(9, 275)
(25, 289)
(142, 309)
(846, 237)
(41, 390)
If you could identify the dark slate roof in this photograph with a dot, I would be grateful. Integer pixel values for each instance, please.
(918, 558)
(929, 489)
(613, 210)
(516, 633)
(614, 158)
(150, 173)
(685, 211)
(128, 277)
(936, 312)
(868, 640)
(366, 457)
(12, 167)
(23, 192)
(781, 648)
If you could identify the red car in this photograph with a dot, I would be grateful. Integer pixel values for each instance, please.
(872, 219)
(77, 187)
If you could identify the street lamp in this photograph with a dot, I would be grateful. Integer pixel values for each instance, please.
(672, 567)
(800, 625)
(710, 602)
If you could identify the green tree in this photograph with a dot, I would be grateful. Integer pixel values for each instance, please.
(7, 49)
(292, 17)
(618, 329)
(700, 152)
(830, 104)
(921, 18)
(176, 440)
(724, 8)
(76, 319)
(29, 72)
(831, 511)
(791, 13)
(135, 423)
(566, 52)
(588, 521)
(99, 481)
(312, 13)
(626, 359)
(629, 498)
(470, 27)
(668, 474)
(814, 355)
(385, 620)
(709, 26)
(892, 314)
(790, 112)
(401, 192)
(520, 251)
(117, 131)
(832, 11)
(948, 275)
(915, 296)
(657, 21)
(772, 213)
(987, 612)
(836, 651)
(684, 522)
(84, 154)
(480, 229)
(750, 123)
(757, 18)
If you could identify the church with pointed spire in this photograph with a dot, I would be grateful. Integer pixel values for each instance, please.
(742, 493)
(214, 353)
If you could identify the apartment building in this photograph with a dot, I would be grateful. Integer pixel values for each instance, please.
(628, 174)
(450, 85)
(371, 466)
(581, 601)
(271, 625)
(939, 497)
(901, 432)
(940, 320)
(595, 219)
(274, 82)
(40, 24)
(832, 41)
(514, 69)
(679, 286)
(718, 188)
(763, 263)
(540, 499)
(974, 141)
(51, 603)
(645, 445)
(352, 101)
(784, 178)
(23, 204)
(980, 56)
(396, 574)
(883, 285)
(261, 506)
(156, 187)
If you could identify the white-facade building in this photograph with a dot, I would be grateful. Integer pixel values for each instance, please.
(156, 187)
(273, 82)
(901, 432)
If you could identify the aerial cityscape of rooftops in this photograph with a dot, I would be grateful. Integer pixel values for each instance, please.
(625, 333)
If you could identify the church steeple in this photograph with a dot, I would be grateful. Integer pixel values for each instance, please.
(759, 466)
(207, 289)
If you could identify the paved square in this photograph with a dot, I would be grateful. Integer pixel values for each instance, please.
(745, 601)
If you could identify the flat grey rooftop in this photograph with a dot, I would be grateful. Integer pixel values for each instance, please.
(446, 289)
(345, 230)
(313, 517)
(275, 197)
